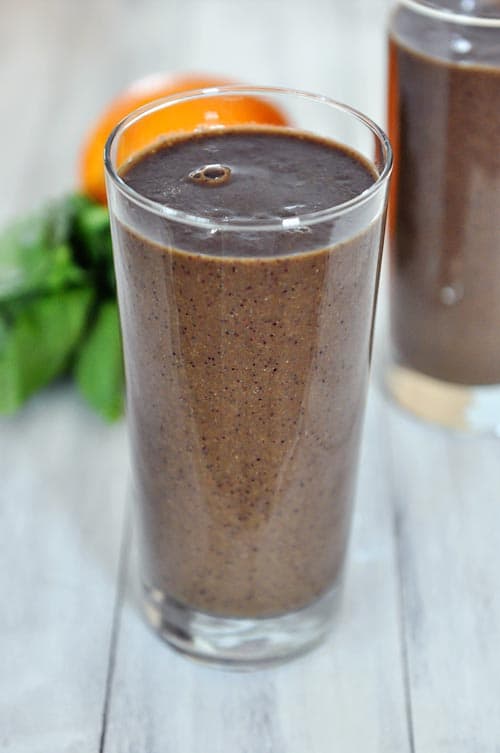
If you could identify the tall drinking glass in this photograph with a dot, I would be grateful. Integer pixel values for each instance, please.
(444, 229)
(247, 260)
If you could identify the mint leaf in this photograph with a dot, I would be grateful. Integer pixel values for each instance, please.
(36, 254)
(56, 279)
(91, 240)
(92, 229)
(37, 340)
(99, 369)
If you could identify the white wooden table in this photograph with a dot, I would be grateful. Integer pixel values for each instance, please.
(414, 662)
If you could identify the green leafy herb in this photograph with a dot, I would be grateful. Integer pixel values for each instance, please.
(58, 305)
(35, 254)
(99, 369)
(37, 342)
(91, 239)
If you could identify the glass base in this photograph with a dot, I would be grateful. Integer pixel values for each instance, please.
(240, 643)
(473, 409)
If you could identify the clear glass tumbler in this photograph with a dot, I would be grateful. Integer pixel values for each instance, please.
(247, 345)
(444, 224)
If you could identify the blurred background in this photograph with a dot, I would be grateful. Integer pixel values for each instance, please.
(63, 60)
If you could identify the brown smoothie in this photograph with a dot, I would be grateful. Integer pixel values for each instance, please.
(247, 360)
(445, 215)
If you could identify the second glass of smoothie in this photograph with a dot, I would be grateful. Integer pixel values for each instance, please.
(247, 260)
(444, 229)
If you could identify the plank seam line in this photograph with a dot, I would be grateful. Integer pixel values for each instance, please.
(115, 626)
(396, 525)
(402, 632)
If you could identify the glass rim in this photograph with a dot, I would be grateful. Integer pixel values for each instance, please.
(248, 225)
(428, 8)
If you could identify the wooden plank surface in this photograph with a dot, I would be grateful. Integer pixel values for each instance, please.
(446, 491)
(63, 480)
(414, 663)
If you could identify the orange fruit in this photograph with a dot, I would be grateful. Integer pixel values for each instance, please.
(234, 110)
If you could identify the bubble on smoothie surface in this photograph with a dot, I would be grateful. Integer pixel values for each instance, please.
(211, 175)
